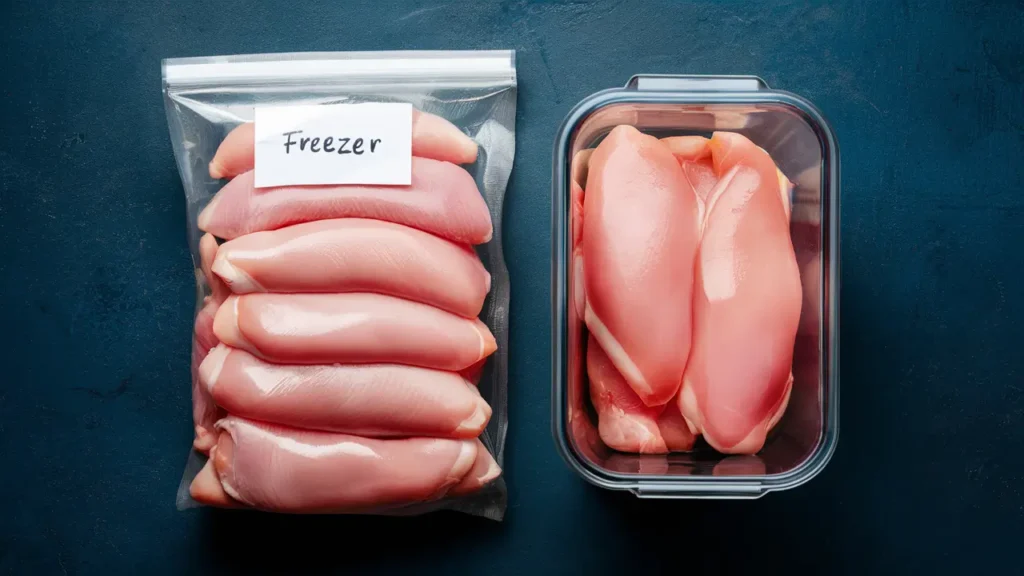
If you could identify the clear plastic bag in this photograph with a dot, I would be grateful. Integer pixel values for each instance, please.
(206, 100)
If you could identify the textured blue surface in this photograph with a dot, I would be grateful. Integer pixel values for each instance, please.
(96, 290)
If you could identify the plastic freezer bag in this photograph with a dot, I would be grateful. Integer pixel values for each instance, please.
(349, 351)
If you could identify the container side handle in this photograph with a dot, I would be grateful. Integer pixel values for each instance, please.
(695, 83)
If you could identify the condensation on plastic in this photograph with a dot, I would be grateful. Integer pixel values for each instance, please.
(803, 146)
(207, 97)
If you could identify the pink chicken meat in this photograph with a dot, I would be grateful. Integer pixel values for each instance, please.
(283, 469)
(578, 417)
(432, 137)
(640, 237)
(443, 199)
(694, 156)
(484, 471)
(624, 422)
(674, 429)
(379, 400)
(357, 328)
(356, 255)
(580, 166)
(746, 303)
(204, 411)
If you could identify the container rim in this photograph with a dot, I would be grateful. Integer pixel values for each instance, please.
(741, 90)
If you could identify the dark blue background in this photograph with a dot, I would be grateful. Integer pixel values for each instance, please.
(927, 99)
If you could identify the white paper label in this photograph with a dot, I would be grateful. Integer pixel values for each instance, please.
(334, 144)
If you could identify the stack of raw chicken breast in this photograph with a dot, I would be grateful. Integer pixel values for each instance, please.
(686, 279)
(335, 361)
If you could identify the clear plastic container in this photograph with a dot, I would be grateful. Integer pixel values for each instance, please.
(804, 147)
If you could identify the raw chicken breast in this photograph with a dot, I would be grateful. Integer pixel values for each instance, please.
(694, 158)
(687, 148)
(443, 199)
(577, 416)
(473, 373)
(674, 429)
(432, 137)
(746, 303)
(436, 138)
(288, 470)
(580, 169)
(204, 411)
(355, 328)
(357, 255)
(379, 400)
(639, 241)
(624, 422)
(485, 470)
(207, 256)
(610, 388)
(206, 488)
(580, 166)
